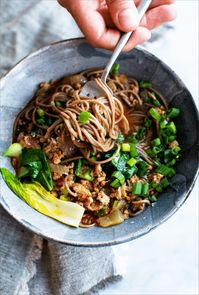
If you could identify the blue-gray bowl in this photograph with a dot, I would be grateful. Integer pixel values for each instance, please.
(71, 56)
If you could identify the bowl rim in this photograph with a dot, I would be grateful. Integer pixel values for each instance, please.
(128, 237)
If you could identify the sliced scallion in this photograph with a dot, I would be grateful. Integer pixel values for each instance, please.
(156, 142)
(84, 117)
(154, 113)
(137, 188)
(40, 112)
(132, 162)
(173, 112)
(118, 175)
(126, 147)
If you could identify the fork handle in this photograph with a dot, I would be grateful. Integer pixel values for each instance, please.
(142, 8)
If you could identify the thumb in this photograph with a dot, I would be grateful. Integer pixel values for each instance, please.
(124, 14)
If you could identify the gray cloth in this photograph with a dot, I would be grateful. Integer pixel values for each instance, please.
(29, 264)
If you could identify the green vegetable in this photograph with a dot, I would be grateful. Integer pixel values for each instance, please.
(145, 189)
(171, 138)
(132, 162)
(126, 147)
(115, 183)
(40, 112)
(156, 186)
(156, 142)
(154, 113)
(84, 117)
(164, 170)
(133, 150)
(115, 69)
(142, 168)
(145, 85)
(152, 198)
(175, 150)
(115, 217)
(43, 201)
(164, 182)
(173, 112)
(137, 188)
(171, 127)
(118, 175)
(14, 150)
(120, 162)
(35, 161)
(83, 172)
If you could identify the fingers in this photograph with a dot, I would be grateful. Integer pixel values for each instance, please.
(158, 15)
(139, 36)
(124, 14)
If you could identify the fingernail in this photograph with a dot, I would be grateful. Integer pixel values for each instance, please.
(127, 19)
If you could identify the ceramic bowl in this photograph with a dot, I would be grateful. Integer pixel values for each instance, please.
(72, 56)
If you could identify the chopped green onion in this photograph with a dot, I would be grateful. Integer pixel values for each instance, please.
(137, 188)
(175, 150)
(84, 117)
(118, 175)
(126, 147)
(132, 162)
(156, 102)
(164, 182)
(154, 113)
(163, 124)
(163, 169)
(115, 69)
(40, 112)
(145, 189)
(115, 183)
(156, 186)
(83, 174)
(152, 198)
(145, 84)
(171, 138)
(155, 150)
(171, 127)
(171, 163)
(173, 112)
(133, 150)
(156, 142)
(143, 168)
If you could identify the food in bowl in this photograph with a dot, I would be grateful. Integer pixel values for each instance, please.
(93, 161)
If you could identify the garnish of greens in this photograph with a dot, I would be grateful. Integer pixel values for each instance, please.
(34, 182)
(41, 200)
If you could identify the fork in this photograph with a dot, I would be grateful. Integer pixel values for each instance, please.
(91, 88)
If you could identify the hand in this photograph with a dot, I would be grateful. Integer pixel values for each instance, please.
(102, 21)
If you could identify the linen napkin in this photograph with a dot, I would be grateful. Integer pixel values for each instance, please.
(30, 265)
